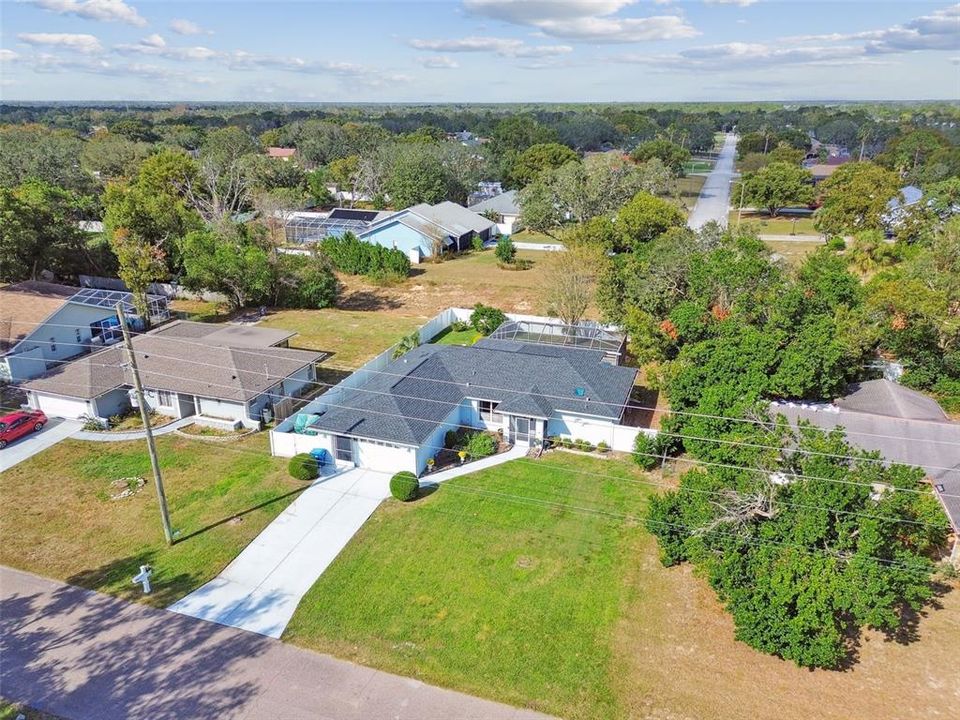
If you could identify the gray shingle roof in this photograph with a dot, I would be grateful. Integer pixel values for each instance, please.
(437, 221)
(928, 444)
(884, 397)
(171, 363)
(228, 335)
(504, 203)
(408, 400)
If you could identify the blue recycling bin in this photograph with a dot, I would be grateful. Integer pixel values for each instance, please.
(320, 455)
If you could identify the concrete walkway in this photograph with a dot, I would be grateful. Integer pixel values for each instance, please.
(714, 200)
(26, 447)
(78, 654)
(262, 587)
(107, 436)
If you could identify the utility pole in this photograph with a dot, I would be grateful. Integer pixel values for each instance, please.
(145, 416)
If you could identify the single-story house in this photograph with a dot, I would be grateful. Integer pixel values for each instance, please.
(905, 426)
(422, 230)
(224, 372)
(397, 418)
(281, 153)
(898, 208)
(504, 209)
(44, 324)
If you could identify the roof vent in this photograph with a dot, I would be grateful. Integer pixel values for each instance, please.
(579, 392)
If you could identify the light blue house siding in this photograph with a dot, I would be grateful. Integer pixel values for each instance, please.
(399, 236)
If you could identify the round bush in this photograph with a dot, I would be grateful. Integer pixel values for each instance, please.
(303, 467)
(648, 451)
(404, 486)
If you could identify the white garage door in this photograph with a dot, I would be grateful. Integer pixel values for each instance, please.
(61, 407)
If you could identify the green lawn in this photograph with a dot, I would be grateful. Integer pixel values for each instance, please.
(457, 337)
(57, 517)
(507, 583)
(775, 226)
(531, 236)
(352, 336)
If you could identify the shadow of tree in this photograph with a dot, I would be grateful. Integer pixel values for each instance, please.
(78, 654)
(367, 300)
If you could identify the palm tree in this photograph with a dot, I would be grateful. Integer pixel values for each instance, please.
(406, 344)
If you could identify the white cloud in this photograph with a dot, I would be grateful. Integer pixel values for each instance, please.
(155, 45)
(77, 42)
(187, 27)
(505, 47)
(103, 10)
(740, 3)
(747, 56)
(444, 62)
(8, 55)
(584, 20)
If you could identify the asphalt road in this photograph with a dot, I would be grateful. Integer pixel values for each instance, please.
(714, 200)
(77, 654)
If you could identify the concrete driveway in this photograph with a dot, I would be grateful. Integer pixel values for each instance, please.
(714, 200)
(261, 588)
(26, 447)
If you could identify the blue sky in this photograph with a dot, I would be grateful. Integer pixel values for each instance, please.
(479, 50)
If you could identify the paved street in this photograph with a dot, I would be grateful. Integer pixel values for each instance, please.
(81, 655)
(714, 200)
(26, 447)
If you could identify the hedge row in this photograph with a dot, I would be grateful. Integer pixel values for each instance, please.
(355, 257)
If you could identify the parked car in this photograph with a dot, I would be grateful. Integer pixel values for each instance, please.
(17, 424)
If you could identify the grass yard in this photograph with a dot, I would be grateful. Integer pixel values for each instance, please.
(352, 336)
(531, 236)
(793, 251)
(694, 166)
(776, 226)
(57, 518)
(473, 589)
(504, 584)
(457, 337)
(687, 190)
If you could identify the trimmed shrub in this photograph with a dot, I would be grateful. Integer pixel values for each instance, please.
(303, 467)
(486, 319)
(480, 445)
(648, 451)
(836, 243)
(583, 445)
(355, 257)
(404, 486)
(450, 439)
(602, 447)
(476, 242)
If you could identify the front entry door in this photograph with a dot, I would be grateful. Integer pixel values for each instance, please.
(343, 448)
(520, 429)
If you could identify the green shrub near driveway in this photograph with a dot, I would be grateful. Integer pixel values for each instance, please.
(303, 467)
(404, 486)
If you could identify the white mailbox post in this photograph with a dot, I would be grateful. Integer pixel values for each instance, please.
(144, 578)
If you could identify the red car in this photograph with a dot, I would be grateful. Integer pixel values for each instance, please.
(17, 424)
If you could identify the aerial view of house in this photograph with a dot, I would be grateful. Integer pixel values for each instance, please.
(524, 391)
(479, 360)
(188, 369)
(44, 324)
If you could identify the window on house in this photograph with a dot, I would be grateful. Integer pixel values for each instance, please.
(488, 411)
(79, 336)
(53, 344)
(164, 398)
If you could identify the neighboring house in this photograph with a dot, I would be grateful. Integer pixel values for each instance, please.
(281, 153)
(905, 426)
(899, 207)
(504, 208)
(44, 324)
(486, 189)
(422, 230)
(397, 419)
(821, 171)
(304, 227)
(222, 372)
